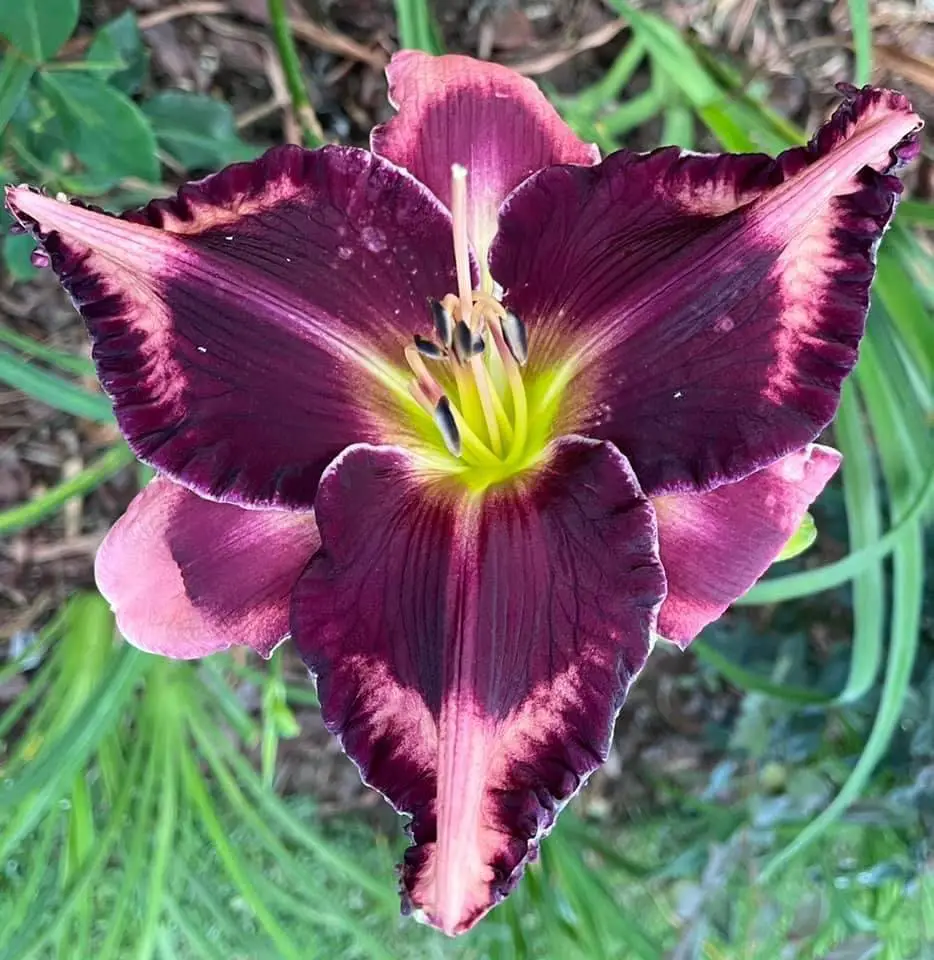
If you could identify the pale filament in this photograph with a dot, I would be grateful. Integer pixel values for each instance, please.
(468, 344)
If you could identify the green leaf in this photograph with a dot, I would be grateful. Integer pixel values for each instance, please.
(15, 73)
(120, 42)
(802, 539)
(198, 131)
(38, 28)
(17, 250)
(104, 128)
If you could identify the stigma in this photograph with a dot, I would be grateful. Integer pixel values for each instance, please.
(467, 372)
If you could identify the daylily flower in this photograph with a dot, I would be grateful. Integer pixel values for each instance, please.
(474, 416)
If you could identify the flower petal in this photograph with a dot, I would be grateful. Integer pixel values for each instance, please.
(487, 118)
(712, 305)
(240, 327)
(714, 546)
(187, 577)
(472, 654)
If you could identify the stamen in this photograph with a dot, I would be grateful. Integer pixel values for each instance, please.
(428, 348)
(426, 381)
(517, 338)
(461, 242)
(485, 391)
(478, 345)
(444, 418)
(517, 390)
(463, 341)
(443, 321)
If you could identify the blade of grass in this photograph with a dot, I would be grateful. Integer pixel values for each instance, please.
(292, 68)
(416, 31)
(862, 41)
(168, 743)
(135, 861)
(67, 362)
(271, 812)
(908, 592)
(42, 781)
(918, 212)
(92, 476)
(745, 679)
(200, 945)
(53, 390)
(198, 795)
(39, 926)
(864, 522)
(288, 826)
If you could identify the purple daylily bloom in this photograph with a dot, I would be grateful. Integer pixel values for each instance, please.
(603, 430)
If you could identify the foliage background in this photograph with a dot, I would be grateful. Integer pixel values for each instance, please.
(771, 794)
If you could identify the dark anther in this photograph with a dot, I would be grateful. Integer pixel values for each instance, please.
(478, 345)
(463, 341)
(428, 348)
(517, 338)
(443, 321)
(444, 418)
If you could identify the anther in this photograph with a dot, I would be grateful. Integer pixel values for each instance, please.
(516, 336)
(443, 321)
(478, 345)
(463, 341)
(428, 348)
(444, 418)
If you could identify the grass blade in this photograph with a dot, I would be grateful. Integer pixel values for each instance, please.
(53, 390)
(862, 41)
(92, 476)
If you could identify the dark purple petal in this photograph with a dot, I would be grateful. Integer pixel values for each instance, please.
(472, 654)
(712, 304)
(714, 546)
(481, 115)
(236, 325)
(187, 577)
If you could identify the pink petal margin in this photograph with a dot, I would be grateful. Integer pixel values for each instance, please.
(488, 118)
(188, 577)
(472, 655)
(714, 546)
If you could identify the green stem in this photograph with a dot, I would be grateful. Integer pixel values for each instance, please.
(291, 66)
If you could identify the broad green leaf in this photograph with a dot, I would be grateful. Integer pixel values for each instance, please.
(38, 28)
(802, 539)
(121, 44)
(17, 250)
(105, 129)
(198, 131)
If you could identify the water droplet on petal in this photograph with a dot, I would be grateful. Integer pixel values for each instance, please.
(374, 240)
(345, 253)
